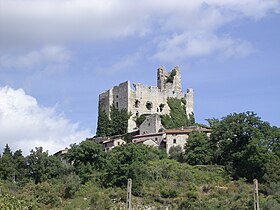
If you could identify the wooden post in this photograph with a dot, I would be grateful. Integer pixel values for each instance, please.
(256, 195)
(128, 197)
(14, 178)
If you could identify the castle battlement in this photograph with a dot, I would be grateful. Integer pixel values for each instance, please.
(144, 99)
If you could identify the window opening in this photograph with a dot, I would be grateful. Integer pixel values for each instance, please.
(149, 105)
(137, 103)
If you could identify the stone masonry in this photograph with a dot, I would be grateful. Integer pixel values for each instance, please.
(142, 99)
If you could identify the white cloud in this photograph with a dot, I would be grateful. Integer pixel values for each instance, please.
(32, 22)
(62, 21)
(50, 20)
(46, 56)
(201, 44)
(250, 8)
(24, 124)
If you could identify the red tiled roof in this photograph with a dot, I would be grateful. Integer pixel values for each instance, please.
(143, 140)
(189, 130)
(147, 135)
(173, 131)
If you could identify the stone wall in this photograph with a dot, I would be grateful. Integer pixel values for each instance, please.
(175, 139)
(189, 101)
(142, 99)
(152, 124)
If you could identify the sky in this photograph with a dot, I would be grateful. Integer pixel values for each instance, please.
(56, 57)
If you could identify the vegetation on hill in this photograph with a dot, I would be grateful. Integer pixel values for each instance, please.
(213, 172)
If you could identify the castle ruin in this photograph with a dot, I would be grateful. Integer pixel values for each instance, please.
(142, 99)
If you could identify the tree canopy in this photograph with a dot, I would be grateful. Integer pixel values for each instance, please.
(210, 173)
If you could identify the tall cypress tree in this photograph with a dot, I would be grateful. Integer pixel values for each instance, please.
(103, 123)
(116, 125)
(118, 121)
(7, 167)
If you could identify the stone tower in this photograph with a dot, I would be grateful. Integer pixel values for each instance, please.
(142, 99)
(169, 81)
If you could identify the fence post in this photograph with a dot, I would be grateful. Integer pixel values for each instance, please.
(256, 195)
(128, 197)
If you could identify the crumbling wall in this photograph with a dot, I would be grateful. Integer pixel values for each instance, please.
(143, 99)
(152, 124)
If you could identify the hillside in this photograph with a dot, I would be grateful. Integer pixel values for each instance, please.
(213, 172)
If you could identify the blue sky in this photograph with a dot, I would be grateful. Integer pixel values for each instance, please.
(57, 56)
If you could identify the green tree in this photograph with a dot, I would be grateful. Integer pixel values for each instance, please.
(41, 166)
(70, 184)
(116, 125)
(7, 166)
(273, 134)
(241, 143)
(44, 195)
(128, 161)
(119, 121)
(86, 157)
(197, 149)
(176, 153)
(272, 176)
(102, 123)
(20, 167)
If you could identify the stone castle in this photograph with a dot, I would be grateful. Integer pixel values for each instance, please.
(142, 99)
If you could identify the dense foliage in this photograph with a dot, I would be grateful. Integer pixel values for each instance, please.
(243, 143)
(198, 150)
(116, 125)
(213, 172)
(178, 117)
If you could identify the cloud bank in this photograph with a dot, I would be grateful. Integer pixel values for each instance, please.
(30, 22)
(24, 124)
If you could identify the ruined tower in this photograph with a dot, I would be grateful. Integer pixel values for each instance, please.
(169, 81)
(142, 99)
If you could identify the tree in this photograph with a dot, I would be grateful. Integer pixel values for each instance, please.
(272, 176)
(7, 150)
(128, 161)
(116, 125)
(197, 149)
(86, 157)
(7, 166)
(102, 123)
(20, 166)
(176, 153)
(273, 134)
(241, 143)
(118, 122)
(41, 166)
